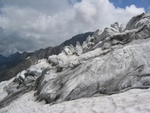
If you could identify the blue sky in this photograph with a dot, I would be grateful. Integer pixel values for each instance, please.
(137, 3)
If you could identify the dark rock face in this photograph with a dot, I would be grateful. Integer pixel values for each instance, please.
(10, 66)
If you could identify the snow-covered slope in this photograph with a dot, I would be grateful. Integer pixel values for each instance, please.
(133, 101)
(102, 71)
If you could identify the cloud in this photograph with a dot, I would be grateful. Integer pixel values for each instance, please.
(27, 25)
(85, 12)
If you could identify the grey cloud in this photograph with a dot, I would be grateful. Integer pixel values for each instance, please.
(14, 42)
(46, 6)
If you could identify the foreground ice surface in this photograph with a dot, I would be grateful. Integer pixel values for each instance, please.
(133, 101)
(3, 93)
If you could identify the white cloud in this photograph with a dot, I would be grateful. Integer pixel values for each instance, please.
(85, 12)
(51, 22)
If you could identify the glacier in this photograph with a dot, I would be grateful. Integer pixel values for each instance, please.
(109, 72)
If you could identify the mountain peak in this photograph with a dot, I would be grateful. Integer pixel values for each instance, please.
(1, 55)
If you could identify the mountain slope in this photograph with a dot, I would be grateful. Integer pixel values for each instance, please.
(18, 62)
(96, 75)
(8, 61)
(2, 60)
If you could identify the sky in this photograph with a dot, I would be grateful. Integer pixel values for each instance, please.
(28, 25)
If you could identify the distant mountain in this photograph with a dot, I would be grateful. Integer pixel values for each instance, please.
(2, 59)
(8, 61)
(11, 65)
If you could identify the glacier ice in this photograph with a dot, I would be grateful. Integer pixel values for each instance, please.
(109, 62)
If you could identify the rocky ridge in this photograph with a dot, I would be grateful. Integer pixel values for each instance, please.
(13, 64)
